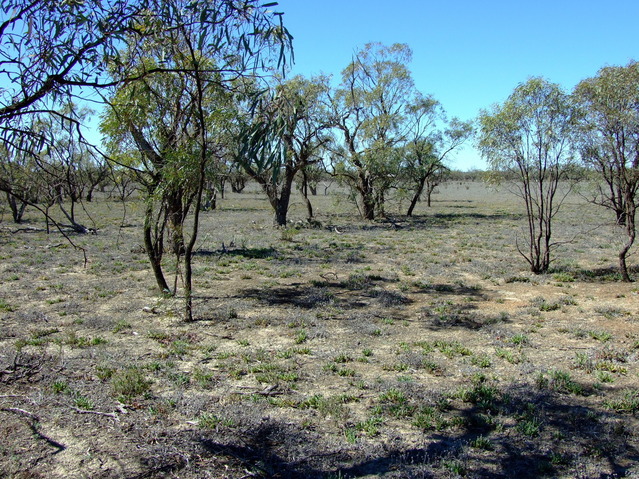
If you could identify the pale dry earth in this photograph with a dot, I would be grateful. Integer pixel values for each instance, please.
(409, 347)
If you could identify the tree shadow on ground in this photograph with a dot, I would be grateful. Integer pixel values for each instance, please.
(340, 294)
(520, 431)
(248, 253)
(608, 274)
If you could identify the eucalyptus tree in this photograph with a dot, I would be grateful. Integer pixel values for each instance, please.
(368, 111)
(609, 144)
(430, 139)
(529, 138)
(50, 49)
(171, 116)
(51, 175)
(16, 181)
(298, 123)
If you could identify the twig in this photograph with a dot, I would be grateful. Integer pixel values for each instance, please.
(97, 413)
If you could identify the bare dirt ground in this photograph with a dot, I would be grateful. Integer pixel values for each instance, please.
(410, 347)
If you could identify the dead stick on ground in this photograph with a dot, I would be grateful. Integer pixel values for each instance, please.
(21, 412)
(97, 413)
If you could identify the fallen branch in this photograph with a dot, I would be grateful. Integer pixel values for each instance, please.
(21, 412)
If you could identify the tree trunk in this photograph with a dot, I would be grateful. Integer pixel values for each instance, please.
(304, 190)
(153, 244)
(282, 203)
(416, 196)
(631, 232)
(365, 189)
(17, 210)
(175, 214)
(430, 187)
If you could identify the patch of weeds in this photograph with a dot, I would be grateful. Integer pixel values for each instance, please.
(609, 312)
(563, 277)
(519, 340)
(559, 381)
(160, 336)
(83, 402)
(301, 336)
(450, 349)
(121, 325)
(350, 434)
(454, 466)
(567, 301)
(288, 234)
(529, 426)
(427, 417)
(604, 377)
(243, 342)
(130, 382)
(399, 367)
(545, 306)
(104, 373)
(331, 406)
(584, 362)
(509, 355)
(208, 420)
(346, 372)
(482, 442)
(342, 358)
(21, 343)
(610, 367)
(73, 339)
(602, 336)
(517, 279)
(181, 379)
(285, 354)
(41, 333)
(481, 393)
(179, 348)
(609, 354)
(60, 387)
(432, 367)
(481, 361)
(370, 427)
(331, 367)
(203, 377)
(629, 403)
(425, 345)
(528, 423)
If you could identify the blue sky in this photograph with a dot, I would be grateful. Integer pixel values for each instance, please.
(469, 54)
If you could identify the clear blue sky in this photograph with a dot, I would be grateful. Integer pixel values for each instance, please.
(469, 54)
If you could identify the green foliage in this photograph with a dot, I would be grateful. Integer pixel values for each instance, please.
(129, 382)
(528, 137)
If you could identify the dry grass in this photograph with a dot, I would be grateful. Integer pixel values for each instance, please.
(403, 348)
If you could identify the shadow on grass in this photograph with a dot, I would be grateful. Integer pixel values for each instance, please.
(309, 297)
(520, 431)
(249, 253)
(610, 274)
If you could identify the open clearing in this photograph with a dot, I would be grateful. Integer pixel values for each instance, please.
(417, 347)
